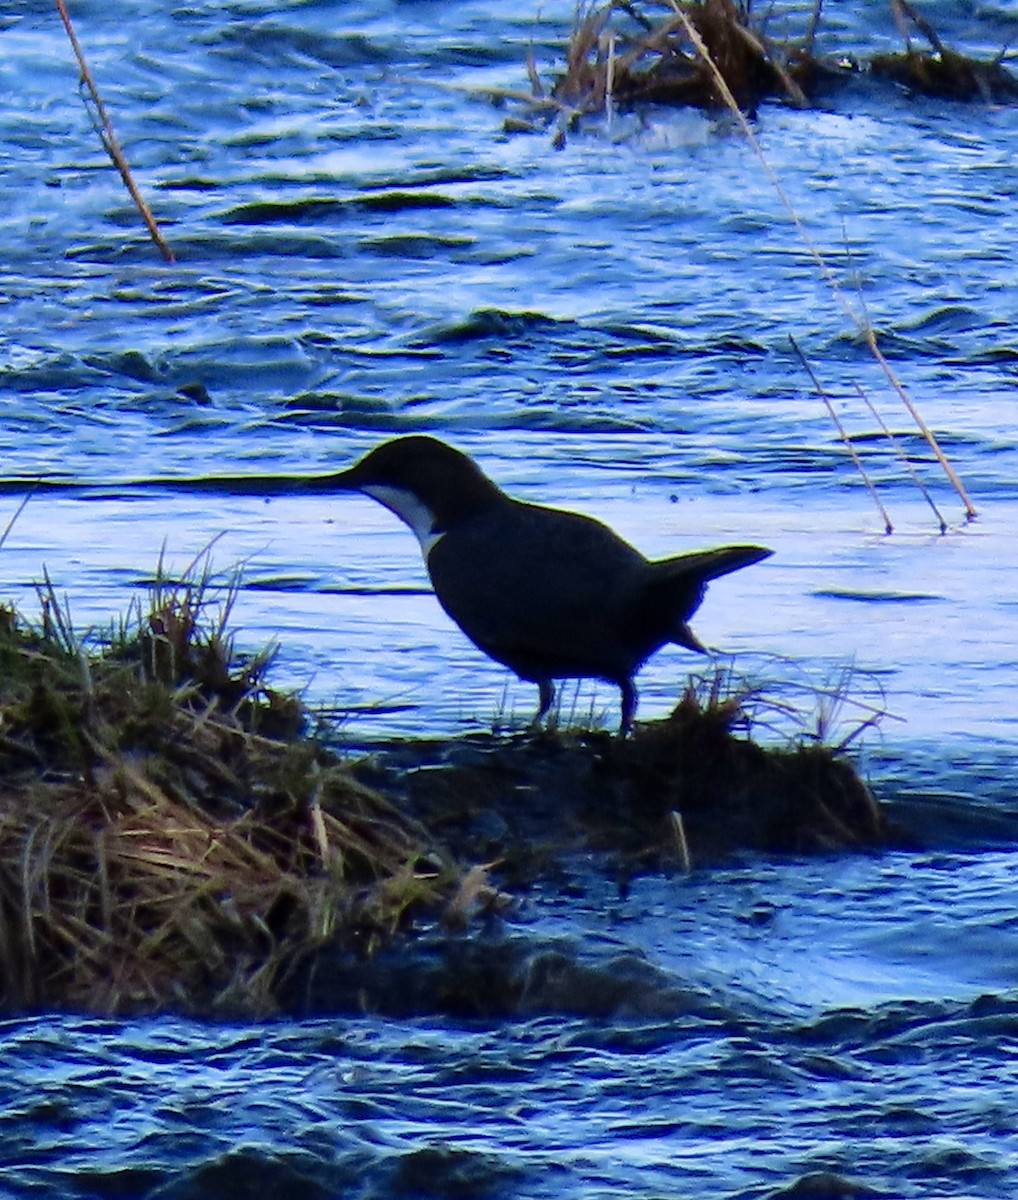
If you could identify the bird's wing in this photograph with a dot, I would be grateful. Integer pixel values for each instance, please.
(536, 590)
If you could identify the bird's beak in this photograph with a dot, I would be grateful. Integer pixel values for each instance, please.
(340, 481)
(344, 481)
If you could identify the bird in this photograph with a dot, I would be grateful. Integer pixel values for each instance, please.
(551, 594)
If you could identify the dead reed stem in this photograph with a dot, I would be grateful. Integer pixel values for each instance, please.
(109, 138)
(871, 341)
(864, 328)
(846, 440)
(902, 457)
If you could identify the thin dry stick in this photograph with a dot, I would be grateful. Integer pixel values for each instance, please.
(828, 275)
(811, 32)
(17, 513)
(109, 138)
(908, 404)
(681, 845)
(792, 89)
(899, 450)
(843, 434)
(924, 429)
(903, 11)
(609, 87)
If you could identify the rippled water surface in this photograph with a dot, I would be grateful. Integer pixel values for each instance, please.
(361, 251)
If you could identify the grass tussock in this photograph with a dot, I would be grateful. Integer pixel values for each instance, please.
(626, 53)
(723, 791)
(167, 841)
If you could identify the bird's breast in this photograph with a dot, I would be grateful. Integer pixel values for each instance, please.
(410, 509)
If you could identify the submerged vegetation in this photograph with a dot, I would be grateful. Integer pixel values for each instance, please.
(709, 53)
(175, 836)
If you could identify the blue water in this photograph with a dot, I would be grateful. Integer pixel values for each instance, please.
(361, 251)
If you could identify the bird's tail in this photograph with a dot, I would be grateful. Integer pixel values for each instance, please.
(682, 581)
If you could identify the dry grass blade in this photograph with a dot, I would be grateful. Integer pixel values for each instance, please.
(678, 829)
(792, 90)
(537, 87)
(811, 31)
(57, 625)
(904, 12)
(17, 513)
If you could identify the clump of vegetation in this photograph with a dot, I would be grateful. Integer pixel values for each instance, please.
(623, 54)
(941, 71)
(709, 789)
(166, 840)
(712, 53)
(630, 53)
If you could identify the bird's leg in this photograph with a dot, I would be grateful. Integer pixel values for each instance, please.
(546, 693)
(629, 699)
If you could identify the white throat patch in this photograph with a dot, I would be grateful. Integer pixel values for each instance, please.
(411, 509)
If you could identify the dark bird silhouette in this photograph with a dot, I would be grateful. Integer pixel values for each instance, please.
(548, 593)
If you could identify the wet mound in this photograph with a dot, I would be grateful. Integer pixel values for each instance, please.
(684, 792)
(172, 837)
